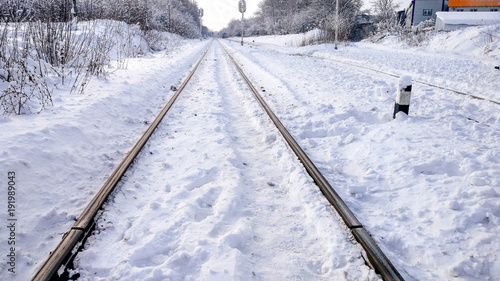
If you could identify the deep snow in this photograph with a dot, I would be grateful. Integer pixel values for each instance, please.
(218, 196)
(63, 155)
(426, 186)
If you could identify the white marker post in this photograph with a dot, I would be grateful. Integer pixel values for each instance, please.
(403, 96)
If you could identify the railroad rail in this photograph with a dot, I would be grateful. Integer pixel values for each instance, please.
(377, 258)
(64, 254)
(414, 80)
(474, 96)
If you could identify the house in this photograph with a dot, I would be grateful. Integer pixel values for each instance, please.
(422, 10)
(474, 5)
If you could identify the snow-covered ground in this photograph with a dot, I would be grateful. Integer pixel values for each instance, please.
(63, 155)
(426, 186)
(217, 195)
(212, 197)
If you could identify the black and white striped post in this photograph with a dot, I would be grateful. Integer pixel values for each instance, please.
(403, 96)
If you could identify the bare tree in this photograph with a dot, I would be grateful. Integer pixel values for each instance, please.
(386, 12)
(285, 16)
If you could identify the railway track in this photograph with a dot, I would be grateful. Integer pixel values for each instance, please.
(418, 81)
(64, 255)
(474, 96)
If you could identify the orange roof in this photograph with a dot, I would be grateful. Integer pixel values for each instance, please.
(474, 3)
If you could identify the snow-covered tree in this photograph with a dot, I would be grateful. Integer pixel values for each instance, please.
(15, 10)
(386, 13)
(46, 43)
(326, 16)
(178, 16)
(293, 16)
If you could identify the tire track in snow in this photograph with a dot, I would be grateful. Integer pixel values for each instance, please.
(213, 197)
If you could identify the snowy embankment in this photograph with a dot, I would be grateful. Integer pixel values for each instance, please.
(63, 155)
(463, 60)
(427, 185)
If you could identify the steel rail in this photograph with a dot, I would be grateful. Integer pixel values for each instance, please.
(65, 250)
(415, 80)
(396, 76)
(375, 255)
(458, 92)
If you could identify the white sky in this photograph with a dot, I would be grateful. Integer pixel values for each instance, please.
(218, 13)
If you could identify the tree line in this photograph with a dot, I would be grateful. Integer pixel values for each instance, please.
(279, 17)
(48, 44)
(176, 16)
(296, 16)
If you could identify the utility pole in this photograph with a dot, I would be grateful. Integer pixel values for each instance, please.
(336, 22)
(201, 15)
(242, 5)
(75, 10)
(146, 20)
(169, 17)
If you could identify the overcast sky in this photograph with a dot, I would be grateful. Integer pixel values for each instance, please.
(218, 13)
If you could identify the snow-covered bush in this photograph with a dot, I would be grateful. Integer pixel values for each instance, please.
(418, 35)
(42, 46)
(312, 37)
(414, 36)
(75, 54)
(36, 57)
(160, 41)
(489, 37)
(23, 88)
(389, 25)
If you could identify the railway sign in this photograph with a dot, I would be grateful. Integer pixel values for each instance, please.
(200, 13)
(242, 5)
